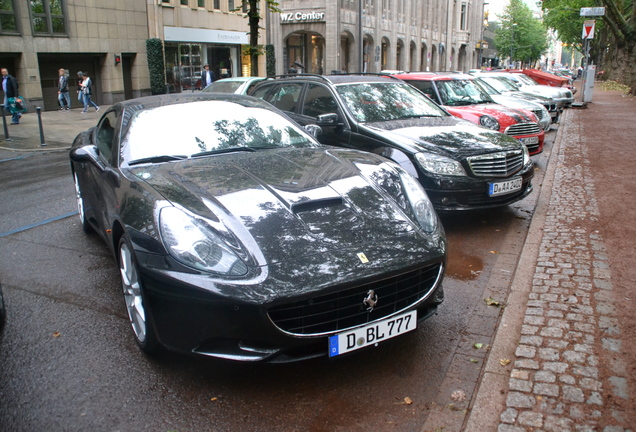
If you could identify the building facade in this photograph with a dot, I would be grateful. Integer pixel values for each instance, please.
(199, 32)
(322, 36)
(105, 39)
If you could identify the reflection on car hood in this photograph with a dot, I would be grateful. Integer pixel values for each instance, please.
(505, 116)
(454, 138)
(289, 203)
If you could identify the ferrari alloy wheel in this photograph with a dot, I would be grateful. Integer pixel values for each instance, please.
(80, 206)
(131, 284)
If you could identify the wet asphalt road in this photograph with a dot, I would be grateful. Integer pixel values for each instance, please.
(68, 361)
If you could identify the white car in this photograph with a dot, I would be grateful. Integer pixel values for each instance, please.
(237, 85)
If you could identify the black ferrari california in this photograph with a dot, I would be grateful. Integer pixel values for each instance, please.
(239, 236)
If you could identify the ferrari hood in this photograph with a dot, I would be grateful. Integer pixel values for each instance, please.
(288, 203)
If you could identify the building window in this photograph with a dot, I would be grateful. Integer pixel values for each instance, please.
(217, 4)
(201, 3)
(464, 12)
(48, 17)
(184, 2)
(230, 5)
(8, 18)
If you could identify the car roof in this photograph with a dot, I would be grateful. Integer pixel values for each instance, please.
(434, 76)
(336, 78)
(240, 79)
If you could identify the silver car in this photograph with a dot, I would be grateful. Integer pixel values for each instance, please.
(237, 85)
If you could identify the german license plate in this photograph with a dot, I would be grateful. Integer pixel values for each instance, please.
(372, 334)
(530, 140)
(505, 187)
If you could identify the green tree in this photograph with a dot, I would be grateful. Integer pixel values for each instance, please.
(520, 36)
(613, 48)
(253, 14)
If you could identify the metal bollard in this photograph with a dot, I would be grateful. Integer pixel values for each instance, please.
(4, 123)
(39, 110)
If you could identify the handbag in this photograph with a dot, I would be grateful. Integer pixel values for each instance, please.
(17, 105)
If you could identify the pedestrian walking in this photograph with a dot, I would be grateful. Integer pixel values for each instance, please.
(87, 90)
(10, 88)
(207, 77)
(62, 90)
(80, 95)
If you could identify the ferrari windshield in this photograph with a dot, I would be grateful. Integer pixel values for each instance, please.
(386, 101)
(461, 92)
(197, 128)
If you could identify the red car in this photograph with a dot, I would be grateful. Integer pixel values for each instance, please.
(547, 78)
(465, 99)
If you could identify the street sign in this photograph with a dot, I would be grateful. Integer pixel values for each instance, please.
(593, 11)
(588, 29)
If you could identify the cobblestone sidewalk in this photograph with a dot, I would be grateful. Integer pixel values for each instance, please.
(569, 322)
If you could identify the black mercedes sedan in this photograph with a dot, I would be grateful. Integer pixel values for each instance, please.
(460, 165)
(239, 236)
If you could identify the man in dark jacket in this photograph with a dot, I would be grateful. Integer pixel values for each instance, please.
(62, 91)
(10, 88)
(207, 77)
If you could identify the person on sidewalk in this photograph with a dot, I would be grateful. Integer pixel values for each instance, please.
(207, 77)
(62, 91)
(87, 90)
(10, 88)
(80, 95)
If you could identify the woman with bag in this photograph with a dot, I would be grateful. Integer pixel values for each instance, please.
(87, 88)
(10, 88)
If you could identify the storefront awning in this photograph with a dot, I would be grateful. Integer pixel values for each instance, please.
(183, 34)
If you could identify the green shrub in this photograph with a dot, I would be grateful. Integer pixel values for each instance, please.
(270, 60)
(154, 51)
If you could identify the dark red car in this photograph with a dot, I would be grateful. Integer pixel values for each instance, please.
(464, 99)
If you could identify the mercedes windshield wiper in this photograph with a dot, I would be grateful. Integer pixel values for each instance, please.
(157, 159)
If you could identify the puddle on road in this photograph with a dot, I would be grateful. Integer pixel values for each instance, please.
(463, 267)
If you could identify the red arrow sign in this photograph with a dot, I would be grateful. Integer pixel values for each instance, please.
(588, 29)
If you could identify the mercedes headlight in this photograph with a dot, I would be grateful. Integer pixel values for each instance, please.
(489, 122)
(193, 243)
(526, 154)
(421, 205)
(440, 165)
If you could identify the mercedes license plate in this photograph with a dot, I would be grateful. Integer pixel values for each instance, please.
(505, 187)
(372, 334)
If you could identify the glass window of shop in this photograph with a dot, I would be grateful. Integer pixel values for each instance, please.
(304, 53)
(185, 61)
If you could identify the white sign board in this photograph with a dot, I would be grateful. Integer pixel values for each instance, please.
(593, 11)
(183, 34)
(588, 29)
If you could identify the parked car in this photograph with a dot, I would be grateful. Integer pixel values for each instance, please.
(239, 236)
(509, 87)
(460, 165)
(464, 99)
(562, 96)
(517, 103)
(238, 85)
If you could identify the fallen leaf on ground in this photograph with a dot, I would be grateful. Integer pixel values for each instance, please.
(478, 345)
(504, 362)
(494, 252)
(214, 398)
(491, 302)
(458, 396)
(56, 334)
(474, 360)
(408, 401)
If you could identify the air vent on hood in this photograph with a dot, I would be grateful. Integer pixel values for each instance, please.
(316, 204)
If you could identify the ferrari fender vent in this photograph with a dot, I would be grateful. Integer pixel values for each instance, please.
(346, 308)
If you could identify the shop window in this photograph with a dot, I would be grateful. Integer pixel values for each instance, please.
(8, 18)
(48, 17)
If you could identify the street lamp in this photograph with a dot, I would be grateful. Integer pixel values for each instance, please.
(512, 40)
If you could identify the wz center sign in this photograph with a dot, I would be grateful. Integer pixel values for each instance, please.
(297, 17)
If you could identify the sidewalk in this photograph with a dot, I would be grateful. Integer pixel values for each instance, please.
(568, 323)
(60, 129)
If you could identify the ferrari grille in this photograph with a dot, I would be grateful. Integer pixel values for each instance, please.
(523, 129)
(500, 164)
(345, 308)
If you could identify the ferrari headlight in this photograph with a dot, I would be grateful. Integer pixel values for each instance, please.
(440, 165)
(489, 122)
(421, 205)
(192, 242)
